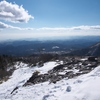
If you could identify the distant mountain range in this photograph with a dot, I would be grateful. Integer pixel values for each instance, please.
(74, 45)
(93, 50)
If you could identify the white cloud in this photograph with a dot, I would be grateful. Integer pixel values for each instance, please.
(86, 27)
(3, 26)
(71, 28)
(46, 29)
(63, 29)
(13, 12)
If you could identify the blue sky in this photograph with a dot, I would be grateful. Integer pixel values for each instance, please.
(48, 18)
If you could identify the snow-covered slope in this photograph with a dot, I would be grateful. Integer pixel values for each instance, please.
(84, 87)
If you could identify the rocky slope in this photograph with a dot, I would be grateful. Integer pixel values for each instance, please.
(69, 68)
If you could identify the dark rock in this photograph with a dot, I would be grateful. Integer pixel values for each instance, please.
(14, 90)
(93, 59)
(58, 67)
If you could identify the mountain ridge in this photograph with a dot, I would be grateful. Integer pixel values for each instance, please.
(93, 50)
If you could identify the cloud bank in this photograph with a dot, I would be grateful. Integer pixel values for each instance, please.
(97, 27)
(13, 12)
(72, 28)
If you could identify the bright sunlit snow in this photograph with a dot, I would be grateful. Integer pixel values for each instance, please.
(84, 87)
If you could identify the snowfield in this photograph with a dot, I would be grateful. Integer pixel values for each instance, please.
(84, 87)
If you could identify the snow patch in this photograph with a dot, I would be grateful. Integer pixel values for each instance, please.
(47, 66)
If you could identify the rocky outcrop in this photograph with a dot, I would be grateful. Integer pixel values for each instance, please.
(69, 69)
